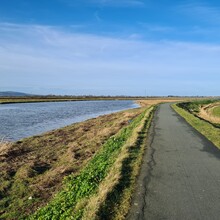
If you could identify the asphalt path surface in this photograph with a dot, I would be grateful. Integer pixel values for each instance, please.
(180, 175)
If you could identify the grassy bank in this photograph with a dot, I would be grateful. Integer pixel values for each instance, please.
(206, 128)
(216, 111)
(115, 202)
(98, 159)
(32, 170)
(203, 109)
(70, 202)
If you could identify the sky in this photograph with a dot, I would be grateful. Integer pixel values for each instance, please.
(110, 47)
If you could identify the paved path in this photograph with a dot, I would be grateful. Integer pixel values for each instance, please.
(180, 176)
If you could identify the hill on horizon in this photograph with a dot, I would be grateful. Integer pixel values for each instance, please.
(13, 94)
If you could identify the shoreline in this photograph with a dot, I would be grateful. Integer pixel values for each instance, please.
(34, 167)
(69, 122)
(17, 101)
(78, 100)
(8, 100)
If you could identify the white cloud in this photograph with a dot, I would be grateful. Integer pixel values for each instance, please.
(49, 57)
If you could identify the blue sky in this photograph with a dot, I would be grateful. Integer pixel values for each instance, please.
(110, 47)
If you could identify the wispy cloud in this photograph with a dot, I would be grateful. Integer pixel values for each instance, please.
(197, 33)
(201, 11)
(50, 57)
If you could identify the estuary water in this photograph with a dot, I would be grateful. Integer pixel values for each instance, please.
(22, 120)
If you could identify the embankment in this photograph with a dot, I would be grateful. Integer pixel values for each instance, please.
(40, 175)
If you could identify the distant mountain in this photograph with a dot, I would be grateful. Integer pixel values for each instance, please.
(11, 93)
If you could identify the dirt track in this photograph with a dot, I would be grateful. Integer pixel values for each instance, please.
(180, 176)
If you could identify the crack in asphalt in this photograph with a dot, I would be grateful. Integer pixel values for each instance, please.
(150, 164)
(180, 173)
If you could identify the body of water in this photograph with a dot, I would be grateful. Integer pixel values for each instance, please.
(27, 119)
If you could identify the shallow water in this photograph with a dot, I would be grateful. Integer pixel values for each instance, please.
(27, 119)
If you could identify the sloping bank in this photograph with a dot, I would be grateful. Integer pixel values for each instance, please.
(84, 195)
(98, 158)
(102, 187)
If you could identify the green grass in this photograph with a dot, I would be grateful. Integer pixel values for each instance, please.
(208, 130)
(216, 111)
(84, 185)
(118, 201)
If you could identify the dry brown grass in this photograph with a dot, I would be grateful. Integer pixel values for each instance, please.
(206, 112)
(35, 167)
(4, 148)
(149, 102)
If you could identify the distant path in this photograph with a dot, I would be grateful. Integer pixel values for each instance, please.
(180, 176)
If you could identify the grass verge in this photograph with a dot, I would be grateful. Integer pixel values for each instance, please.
(207, 129)
(122, 177)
